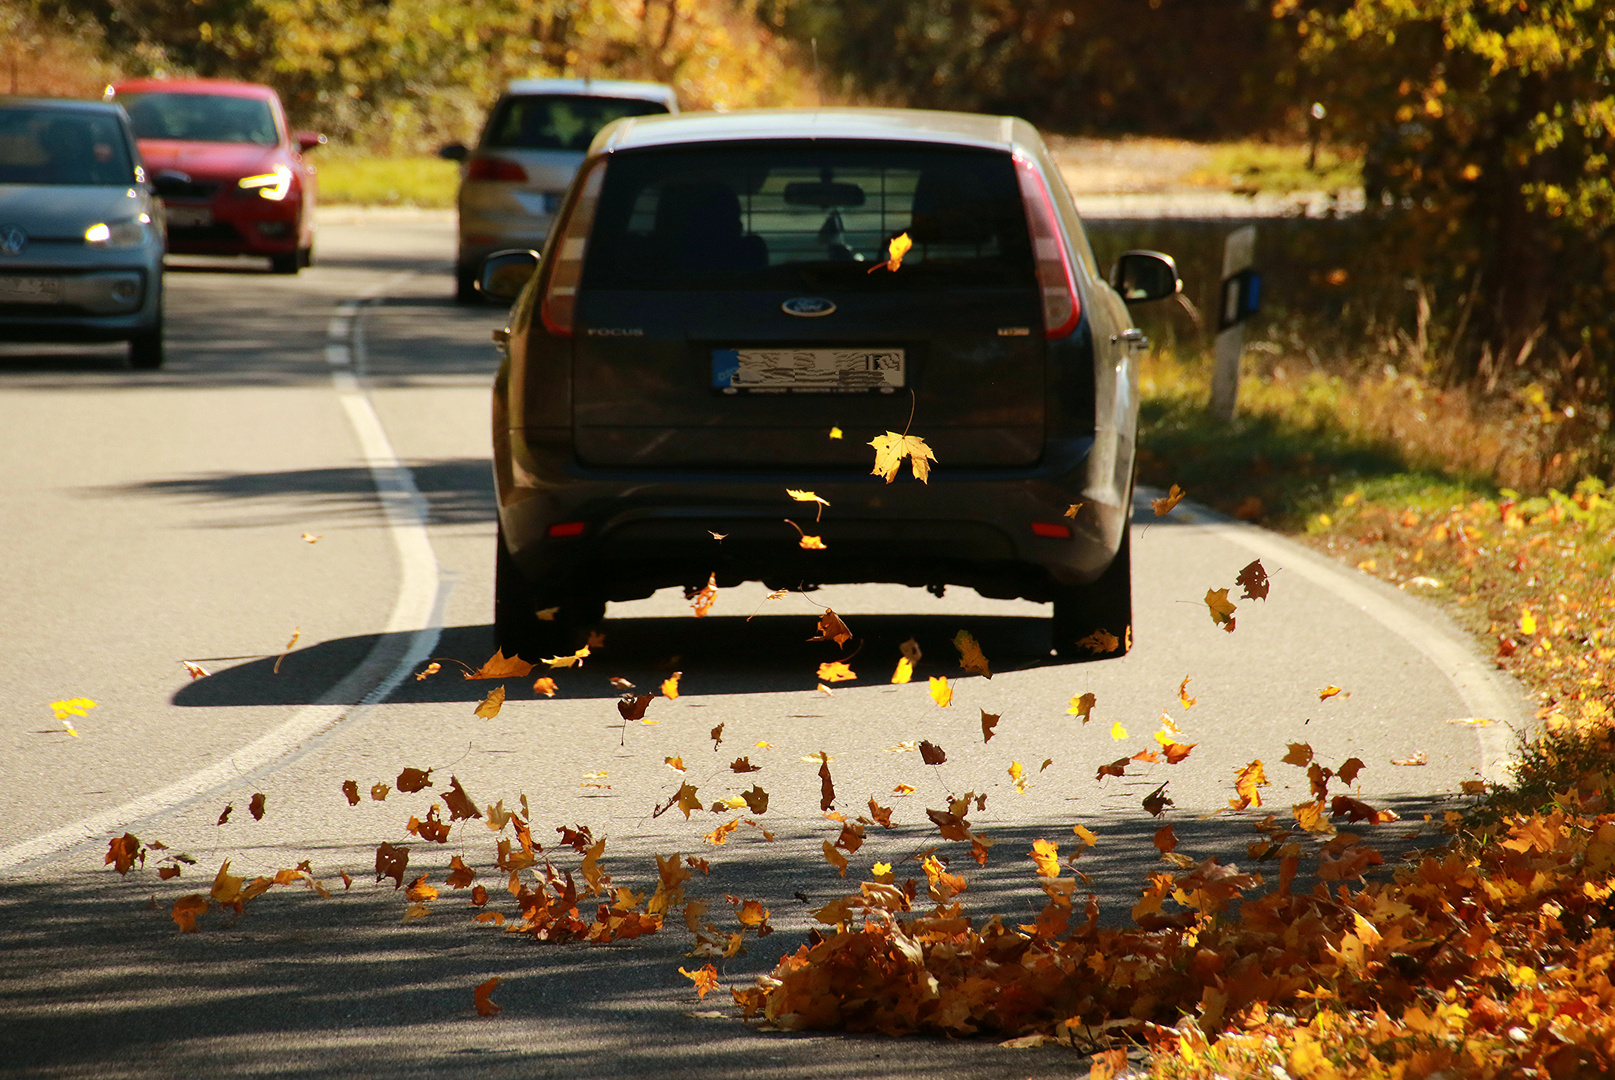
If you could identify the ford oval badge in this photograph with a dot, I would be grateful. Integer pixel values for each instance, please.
(808, 307)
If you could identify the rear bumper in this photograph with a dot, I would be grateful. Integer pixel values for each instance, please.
(644, 531)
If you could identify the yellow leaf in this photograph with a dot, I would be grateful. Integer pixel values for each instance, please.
(808, 496)
(311, 538)
(545, 686)
(882, 872)
(427, 672)
(1071, 511)
(835, 433)
(1118, 732)
(1046, 854)
(1087, 836)
(905, 670)
(1527, 621)
(896, 248)
(1222, 610)
(706, 980)
(79, 706)
(491, 704)
(675, 762)
(836, 671)
(1082, 705)
(1183, 693)
(903, 789)
(1328, 692)
(226, 886)
(812, 543)
(1246, 783)
(1163, 506)
(573, 660)
(500, 666)
(670, 685)
(941, 692)
(890, 450)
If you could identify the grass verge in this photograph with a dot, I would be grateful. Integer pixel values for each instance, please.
(351, 177)
(1278, 168)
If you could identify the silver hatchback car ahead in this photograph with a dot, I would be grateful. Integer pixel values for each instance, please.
(536, 137)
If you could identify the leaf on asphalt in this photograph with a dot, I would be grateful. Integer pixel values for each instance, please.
(390, 862)
(670, 686)
(716, 735)
(1253, 579)
(705, 980)
(905, 670)
(491, 704)
(835, 671)
(890, 450)
(378, 792)
(827, 786)
(1246, 783)
(702, 599)
(79, 706)
(988, 722)
(500, 666)
(186, 909)
(458, 802)
(429, 670)
(832, 628)
(808, 496)
(1222, 609)
(196, 671)
(1164, 505)
(297, 632)
(413, 780)
(1115, 768)
(1327, 692)
(835, 858)
(482, 999)
(756, 799)
(632, 707)
(941, 692)
(743, 765)
(932, 754)
(224, 817)
(255, 806)
(1157, 801)
(971, 658)
(123, 852)
(1082, 705)
(1300, 754)
(544, 685)
(1183, 694)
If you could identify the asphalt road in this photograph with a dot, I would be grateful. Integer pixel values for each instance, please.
(151, 518)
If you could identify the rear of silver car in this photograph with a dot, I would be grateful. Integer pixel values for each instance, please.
(535, 138)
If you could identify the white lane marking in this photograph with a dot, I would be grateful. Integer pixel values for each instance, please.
(417, 611)
(1478, 686)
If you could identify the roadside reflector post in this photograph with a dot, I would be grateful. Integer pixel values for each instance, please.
(1239, 300)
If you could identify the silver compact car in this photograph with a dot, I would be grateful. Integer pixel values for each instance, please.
(736, 306)
(81, 235)
(535, 138)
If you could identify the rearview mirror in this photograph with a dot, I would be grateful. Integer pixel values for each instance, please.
(453, 152)
(505, 273)
(1145, 275)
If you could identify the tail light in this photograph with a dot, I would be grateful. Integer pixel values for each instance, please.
(1061, 307)
(566, 267)
(494, 168)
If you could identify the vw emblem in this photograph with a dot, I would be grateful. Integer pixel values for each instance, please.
(808, 307)
(12, 240)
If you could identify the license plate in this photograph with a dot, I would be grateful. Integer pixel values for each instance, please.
(30, 290)
(189, 217)
(812, 371)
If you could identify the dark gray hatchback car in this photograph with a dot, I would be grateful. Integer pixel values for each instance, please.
(717, 296)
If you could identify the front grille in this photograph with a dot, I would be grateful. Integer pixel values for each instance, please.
(171, 187)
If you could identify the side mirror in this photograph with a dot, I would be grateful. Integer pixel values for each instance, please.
(308, 140)
(1145, 275)
(453, 152)
(505, 273)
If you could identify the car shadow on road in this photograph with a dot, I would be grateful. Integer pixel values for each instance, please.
(717, 655)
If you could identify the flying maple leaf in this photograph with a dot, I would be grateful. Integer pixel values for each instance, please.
(911, 650)
(827, 787)
(835, 433)
(419, 891)
(1300, 754)
(482, 999)
(1183, 694)
(832, 628)
(226, 886)
(297, 632)
(896, 248)
(881, 814)
(1101, 642)
(1165, 839)
(429, 670)
(806, 542)
(835, 858)
(378, 792)
(633, 707)
(1082, 705)
(1222, 609)
(971, 658)
(460, 875)
(836, 671)
(743, 765)
(941, 692)
(890, 450)
(1253, 579)
(1176, 751)
(433, 829)
(224, 817)
(756, 800)
(350, 788)
(1017, 774)
(186, 909)
(1327, 692)
(1046, 854)
(123, 851)
(570, 660)
(413, 780)
(311, 538)
(808, 496)
(1310, 816)
(1086, 835)
(1115, 768)
(390, 862)
(932, 754)
(705, 980)
(905, 670)
(1071, 511)
(670, 686)
(458, 802)
(1246, 783)
(716, 735)
(1164, 505)
(904, 789)
(702, 599)
(1157, 801)
(544, 685)
(196, 671)
(1349, 769)
(255, 806)
(988, 722)
(79, 706)
(491, 704)
(500, 666)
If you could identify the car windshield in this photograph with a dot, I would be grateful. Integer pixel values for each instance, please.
(551, 122)
(809, 216)
(221, 118)
(43, 145)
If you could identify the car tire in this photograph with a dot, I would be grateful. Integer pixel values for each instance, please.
(289, 263)
(1105, 604)
(518, 631)
(465, 287)
(146, 349)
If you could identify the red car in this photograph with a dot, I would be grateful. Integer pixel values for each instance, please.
(230, 173)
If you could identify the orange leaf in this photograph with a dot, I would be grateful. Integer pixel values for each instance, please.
(835, 858)
(544, 685)
(1300, 754)
(1183, 693)
(419, 891)
(1176, 751)
(827, 787)
(701, 601)
(500, 666)
(881, 814)
(1328, 692)
(481, 996)
(971, 658)
(896, 248)
(458, 802)
(413, 780)
(808, 496)
(1164, 505)
(1087, 836)
(670, 686)
(123, 851)
(706, 980)
(1046, 854)
(460, 875)
(1165, 839)
(378, 793)
(836, 671)
(186, 909)
(1250, 778)
(491, 704)
(904, 671)
(569, 660)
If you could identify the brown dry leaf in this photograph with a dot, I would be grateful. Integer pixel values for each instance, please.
(1101, 642)
(413, 780)
(702, 600)
(460, 875)
(743, 765)
(1082, 705)
(808, 496)
(544, 685)
(433, 829)
(123, 851)
(1115, 768)
(378, 792)
(835, 671)
(632, 707)
(1222, 610)
(481, 997)
(716, 735)
(491, 704)
(988, 722)
(1176, 751)
(390, 862)
(827, 786)
(756, 800)
(1246, 783)
(620, 684)
(971, 658)
(706, 980)
(1300, 754)
(941, 692)
(670, 686)
(1349, 769)
(1253, 579)
(835, 858)
(500, 666)
(186, 909)
(1183, 694)
(881, 814)
(225, 816)
(911, 650)
(890, 450)
(166, 872)
(1164, 505)
(1473, 787)
(458, 802)
(932, 754)
(1157, 801)
(255, 806)
(832, 628)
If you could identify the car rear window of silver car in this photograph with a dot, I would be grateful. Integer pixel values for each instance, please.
(62, 146)
(556, 122)
(221, 118)
(809, 215)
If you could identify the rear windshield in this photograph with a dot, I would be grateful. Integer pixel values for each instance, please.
(554, 122)
(62, 146)
(221, 118)
(809, 216)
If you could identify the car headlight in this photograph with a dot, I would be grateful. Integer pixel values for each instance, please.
(273, 185)
(131, 232)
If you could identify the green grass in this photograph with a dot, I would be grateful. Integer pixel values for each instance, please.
(353, 178)
(1280, 169)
